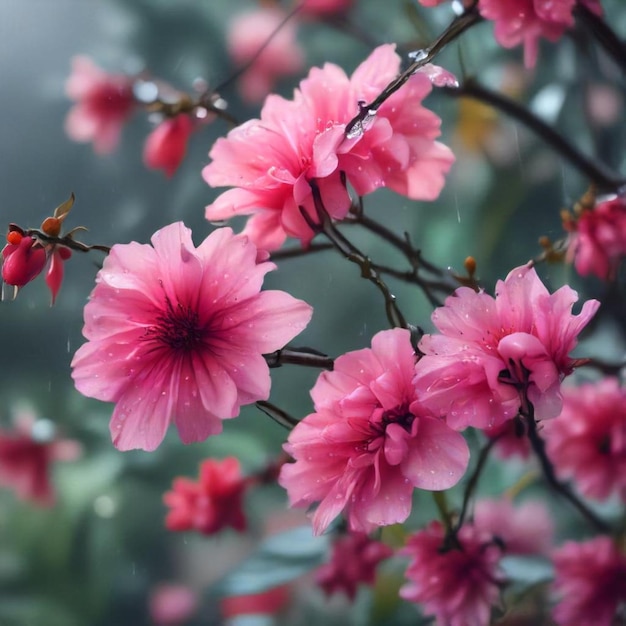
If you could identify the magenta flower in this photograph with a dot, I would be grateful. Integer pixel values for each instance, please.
(272, 162)
(23, 259)
(458, 586)
(527, 21)
(370, 442)
(590, 581)
(598, 240)
(211, 504)
(177, 333)
(166, 145)
(495, 354)
(587, 442)
(104, 102)
(354, 560)
(278, 53)
(324, 8)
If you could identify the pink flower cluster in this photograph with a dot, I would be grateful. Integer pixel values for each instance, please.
(177, 333)
(212, 503)
(587, 442)
(459, 584)
(590, 583)
(598, 238)
(370, 442)
(494, 355)
(354, 560)
(272, 162)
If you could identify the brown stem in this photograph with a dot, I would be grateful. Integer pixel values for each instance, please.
(290, 253)
(603, 33)
(278, 415)
(299, 356)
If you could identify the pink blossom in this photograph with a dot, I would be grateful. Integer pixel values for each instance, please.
(354, 560)
(272, 162)
(268, 602)
(256, 34)
(523, 529)
(527, 21)
(211, 504)
(587, 442)
(598, 240)
(370, 442)
(177, 333)
(325, 7)
(495, 354)
(104, 102)
(431, 3)
(172, 605)
(590, 581)
(27, 454)
(23, 259)
(458, 586)
(166, 145)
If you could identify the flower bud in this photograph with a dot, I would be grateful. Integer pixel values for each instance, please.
(22, 260)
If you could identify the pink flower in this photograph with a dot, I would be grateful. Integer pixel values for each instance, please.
(27, 455)
(526, 21)
(431, 3)
(587, 442)
(268, 602)
(177, 333)
(213, 503)
(590, 580)
(325, 7)
(598, 240)
(172, 605)
(23, 259)
(104, 102)
(272, 162)
(166, 145)
(458, 586)
(279, 54)
(494, 354)
(523, 529)
(370, 442)
(354, 560)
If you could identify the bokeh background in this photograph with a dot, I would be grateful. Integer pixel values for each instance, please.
(98, 554)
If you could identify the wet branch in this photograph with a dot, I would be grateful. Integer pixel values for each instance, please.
(299, 356)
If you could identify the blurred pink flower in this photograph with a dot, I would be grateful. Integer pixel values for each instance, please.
(598, 240)
(431, 3)
(526, 21)
(212, 503)
(256, 33)
(590, 581)
(370, 442)
(458, 586)
(325, 7)
(354, 560)
(104, 102)
(526, 528)
(177, 333)
(166, 145)
(27, 454)
(496, 353)
(272, 162)
(587, 442)
(172, 605)
(264, 603)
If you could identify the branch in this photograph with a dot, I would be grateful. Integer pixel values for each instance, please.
(603, 33)
(299, 356)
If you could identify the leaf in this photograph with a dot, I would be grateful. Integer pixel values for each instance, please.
(279, 559)
(64, 207)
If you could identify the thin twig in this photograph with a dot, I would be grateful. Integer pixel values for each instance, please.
(290, 253)
(299, 356)
(603, 33)
(278, 415)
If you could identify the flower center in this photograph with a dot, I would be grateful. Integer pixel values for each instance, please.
(399, 415)
(178, 327)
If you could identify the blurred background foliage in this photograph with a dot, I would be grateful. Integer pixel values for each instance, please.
(94, 557)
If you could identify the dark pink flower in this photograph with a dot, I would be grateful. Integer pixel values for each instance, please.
(212, 503)
(354, 560)
(177, 333)
(23, 259)
(590, 581)
(256, 33)
(598, 240)
(527, 21)
(268, 602)
(494, 354)
(325, 7)
(272, 162)
(166, 145)
(27, 455)
(370, 442)
(523, 529)
(587, 441)
(172, 605)
(459, 586)
(104, 102)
